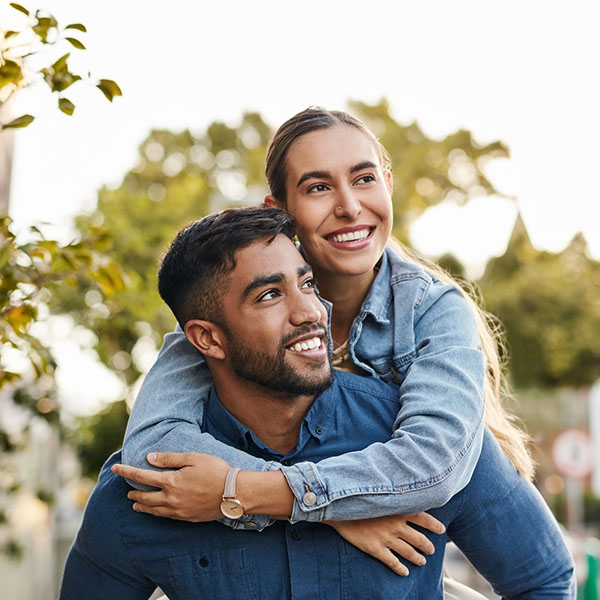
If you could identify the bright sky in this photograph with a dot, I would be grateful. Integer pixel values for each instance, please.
(522, 72)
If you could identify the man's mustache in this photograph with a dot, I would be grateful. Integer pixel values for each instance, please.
(305, 330)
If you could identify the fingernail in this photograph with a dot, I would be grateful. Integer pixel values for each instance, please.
(134, 507)
(152, 457)
(422, 561)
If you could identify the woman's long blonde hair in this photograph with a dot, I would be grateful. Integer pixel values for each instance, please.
(512, 439)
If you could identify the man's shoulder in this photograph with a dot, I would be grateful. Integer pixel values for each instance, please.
(365, 386)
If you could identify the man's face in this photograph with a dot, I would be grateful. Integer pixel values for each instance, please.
(276, 326)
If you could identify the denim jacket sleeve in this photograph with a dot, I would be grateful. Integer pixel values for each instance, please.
(168, 412)
(438, 432)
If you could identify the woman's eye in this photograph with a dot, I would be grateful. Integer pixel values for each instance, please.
(319, 187)
(365, 179)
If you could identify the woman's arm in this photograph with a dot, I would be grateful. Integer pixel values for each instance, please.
(168, 413)
(431, 456)
(437, 434)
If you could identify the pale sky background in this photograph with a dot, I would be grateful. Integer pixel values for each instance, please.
(524, 72)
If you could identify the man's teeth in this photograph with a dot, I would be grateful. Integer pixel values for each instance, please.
(306, 345)
(351, 236)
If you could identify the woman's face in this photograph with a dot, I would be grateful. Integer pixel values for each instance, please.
(341, 198)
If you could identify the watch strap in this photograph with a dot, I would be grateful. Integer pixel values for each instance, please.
(230, 481)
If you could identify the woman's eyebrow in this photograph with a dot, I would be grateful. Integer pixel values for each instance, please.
(311, 174)
(365, 164)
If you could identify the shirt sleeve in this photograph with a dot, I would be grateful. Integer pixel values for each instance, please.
(168, 413)
(437, 434)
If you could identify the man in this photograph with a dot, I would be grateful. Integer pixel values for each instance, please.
(246, 300)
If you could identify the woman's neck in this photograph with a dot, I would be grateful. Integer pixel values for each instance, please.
(346, 293)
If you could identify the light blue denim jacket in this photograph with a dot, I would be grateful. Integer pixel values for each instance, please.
(412, 330)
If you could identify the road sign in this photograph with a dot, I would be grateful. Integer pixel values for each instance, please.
(573, 453)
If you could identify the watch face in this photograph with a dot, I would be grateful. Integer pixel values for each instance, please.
(232, 509)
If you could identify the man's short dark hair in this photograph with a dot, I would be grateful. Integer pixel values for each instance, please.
(192, 276)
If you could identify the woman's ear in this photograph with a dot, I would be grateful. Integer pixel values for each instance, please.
(271, 201)
(206, 337)
(389, 180)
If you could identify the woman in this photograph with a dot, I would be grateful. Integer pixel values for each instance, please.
(392, 316)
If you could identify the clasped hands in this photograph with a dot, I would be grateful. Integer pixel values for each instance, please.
(193, 488)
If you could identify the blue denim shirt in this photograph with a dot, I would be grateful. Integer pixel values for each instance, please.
(499, 521)
(412, 330)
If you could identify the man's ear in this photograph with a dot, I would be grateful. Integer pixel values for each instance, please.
(271, 201)
(207, 337)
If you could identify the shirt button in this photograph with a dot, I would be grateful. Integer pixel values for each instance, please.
(287, 462)
(203, 562)
(309, 499)
(296, 536)
(251, 525)
(318, 430)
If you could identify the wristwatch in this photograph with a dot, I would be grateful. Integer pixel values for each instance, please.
(231, 507)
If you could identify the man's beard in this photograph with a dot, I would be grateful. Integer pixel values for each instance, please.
(273, 372)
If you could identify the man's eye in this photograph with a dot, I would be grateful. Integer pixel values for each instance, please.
(309, 283)
(269, 295)
(318, 187)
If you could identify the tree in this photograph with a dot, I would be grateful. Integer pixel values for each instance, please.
(34, 268)
(181, 176)
(549, 306)
(31, 274)
(20, 54)
(428, 171)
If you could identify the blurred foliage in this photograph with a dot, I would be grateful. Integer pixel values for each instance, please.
(42, 41)
(428, 171)
(99, 436)
(182, 176)
(33, 272)
(550, 306)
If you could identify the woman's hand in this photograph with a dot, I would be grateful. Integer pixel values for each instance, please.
(381, 537)
(191, 492)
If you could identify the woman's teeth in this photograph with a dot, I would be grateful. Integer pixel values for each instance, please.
(306, 345)
(351, 236)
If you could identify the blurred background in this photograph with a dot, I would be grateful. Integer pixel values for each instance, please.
(123, 121)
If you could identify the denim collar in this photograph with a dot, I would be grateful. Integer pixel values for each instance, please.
(379, 297)
(315, 425)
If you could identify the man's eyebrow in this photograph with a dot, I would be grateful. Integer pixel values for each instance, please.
(366, 164)
(304, 269)
(261, 281)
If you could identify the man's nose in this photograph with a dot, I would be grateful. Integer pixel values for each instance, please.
(306, 309)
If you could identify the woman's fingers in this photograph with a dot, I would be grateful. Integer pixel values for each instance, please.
(406, 551)
(389, 559)
(426, 521)
(148, 498)
(416, 539)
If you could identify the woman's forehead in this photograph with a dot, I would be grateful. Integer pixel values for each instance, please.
(331, 148)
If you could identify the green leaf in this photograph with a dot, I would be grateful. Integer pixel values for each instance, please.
(10, 34)
(21, 121)
(77, 26)
(20, 8)
(43, 25)
(76, 43)
(109, 88)
(10, 72)
(66, 106)
(61, 63)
